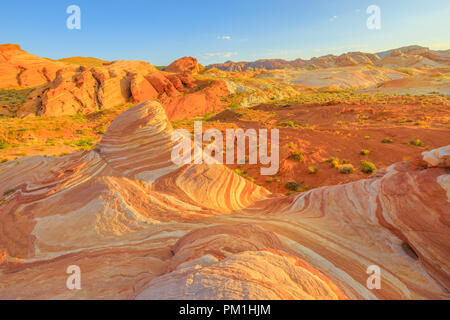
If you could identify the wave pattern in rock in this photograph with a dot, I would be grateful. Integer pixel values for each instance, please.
(141, 227)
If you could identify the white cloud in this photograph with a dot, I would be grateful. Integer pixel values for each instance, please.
(333, 18)
(224, 38)
(219, 55)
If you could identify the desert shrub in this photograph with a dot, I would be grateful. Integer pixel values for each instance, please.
(417, 143)
(296, 156)
(364, 152)
(276, 180)
(291, 145)
(368, 167)
(4, 160)
(293, 186)
(85, 142)
(313, 170)
(387, 140)
(4, 144)
(334, 162)
(346, 168)
(251, 179)
(240, 172)
(288, 124)
(367, 137)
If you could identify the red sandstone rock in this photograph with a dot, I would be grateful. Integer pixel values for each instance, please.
(141, 227)
(22, 69)
(184, 65)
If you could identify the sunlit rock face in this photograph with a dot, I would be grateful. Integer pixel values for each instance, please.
(141, 227)
(67, 89)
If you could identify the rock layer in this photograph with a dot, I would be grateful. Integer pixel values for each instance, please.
(67, 89)
(19, 68)
(141, 227)
(85, 90)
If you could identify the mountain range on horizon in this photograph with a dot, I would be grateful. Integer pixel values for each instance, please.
(408, 56)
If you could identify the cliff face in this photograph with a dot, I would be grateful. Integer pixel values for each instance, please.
(139, 226)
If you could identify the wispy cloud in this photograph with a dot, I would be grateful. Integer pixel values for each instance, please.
(333, 18)
(224, 37)
(218, 55)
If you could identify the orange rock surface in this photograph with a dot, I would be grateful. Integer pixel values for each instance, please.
(141, 227)
(19, 68)
(85, 90)
(184, 65)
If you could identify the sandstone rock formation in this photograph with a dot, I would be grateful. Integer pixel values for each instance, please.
(184, 65)
(141, 227)
(67, 89)
(85, 90)
(19, 68)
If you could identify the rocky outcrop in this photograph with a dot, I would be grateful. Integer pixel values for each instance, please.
(184, 65)
(19, 68)
(67, 88)
(141, 227)
(85, 90)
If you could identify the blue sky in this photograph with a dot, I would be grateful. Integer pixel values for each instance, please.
(220, 30)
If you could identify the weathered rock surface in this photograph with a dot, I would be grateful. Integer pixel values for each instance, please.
(67, 89)
(141, 227)
(184, 65)
(85, 90)
(19, 68)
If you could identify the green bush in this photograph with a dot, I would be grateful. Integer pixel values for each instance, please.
(296, 155)
(334, 162)
(293, 186)
(364, 152)
(289, 124)
(346, 168)
(368, 167)
(387, 140)
(416, 143)
(313, 170)
(240, 172)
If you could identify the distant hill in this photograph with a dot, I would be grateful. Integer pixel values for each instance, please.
(410, 56)
(84, 61)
